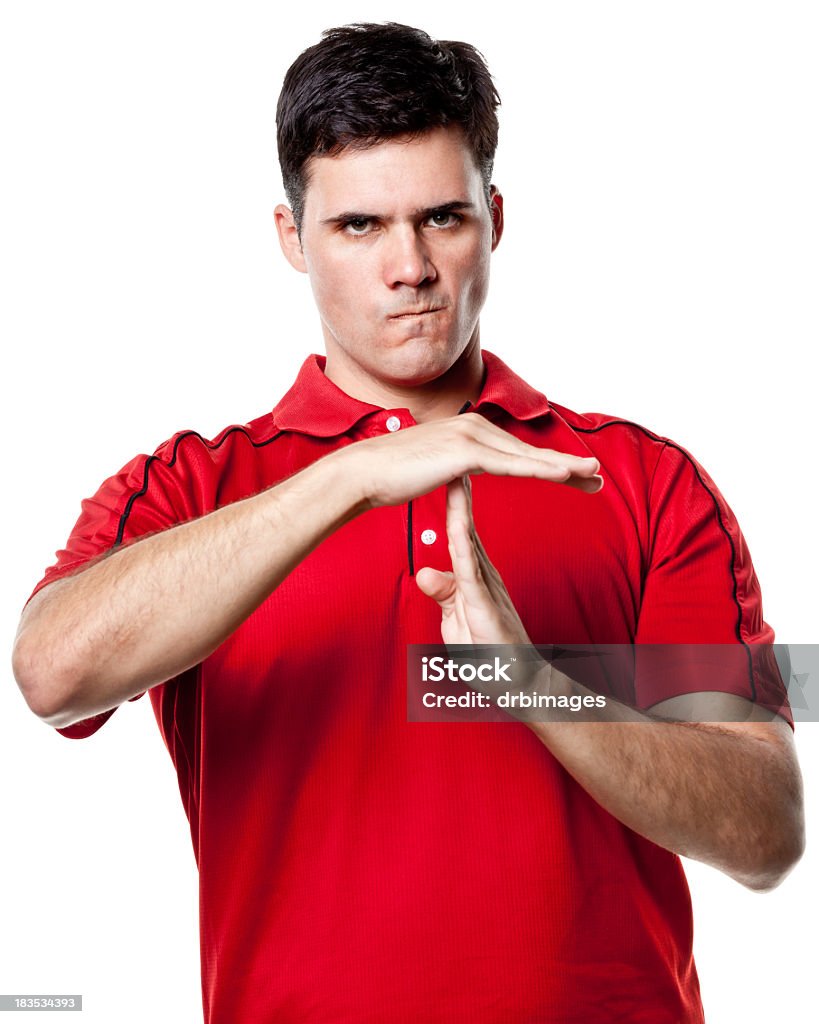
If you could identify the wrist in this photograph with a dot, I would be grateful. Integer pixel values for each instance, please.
(312, 503)
(342, 471)
(339, 482)
(544, 678)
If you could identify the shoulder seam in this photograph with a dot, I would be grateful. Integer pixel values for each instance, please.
(151, 459)
(627, 423)
(722, 526)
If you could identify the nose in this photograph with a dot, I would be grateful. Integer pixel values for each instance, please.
(407, 260)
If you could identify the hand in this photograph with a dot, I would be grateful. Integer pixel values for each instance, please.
(475, 605)
(396, 468)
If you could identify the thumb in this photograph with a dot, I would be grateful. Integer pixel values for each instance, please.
(440, 586)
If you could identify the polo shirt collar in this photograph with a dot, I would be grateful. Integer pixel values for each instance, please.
(315, 405)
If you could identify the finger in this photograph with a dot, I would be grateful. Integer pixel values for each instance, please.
(458, 514)
(491, 577)
(493, 436)
(440, 586)
(543, 466)
(589, 485)
(460, 500)
(486, 570)
(459, 504)
(460, 532)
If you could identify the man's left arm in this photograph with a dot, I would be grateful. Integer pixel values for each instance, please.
(727, 794)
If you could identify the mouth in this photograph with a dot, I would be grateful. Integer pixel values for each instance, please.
(410, 313)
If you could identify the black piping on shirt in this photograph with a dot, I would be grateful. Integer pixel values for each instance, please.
(722, 526)
(155, 458)
(410, 556)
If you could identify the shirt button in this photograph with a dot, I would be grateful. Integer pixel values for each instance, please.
(429, 537)
(393, 424)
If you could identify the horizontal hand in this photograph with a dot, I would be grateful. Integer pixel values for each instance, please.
(396, 468)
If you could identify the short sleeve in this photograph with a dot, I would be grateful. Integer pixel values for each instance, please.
(149, 494)
(702, 595)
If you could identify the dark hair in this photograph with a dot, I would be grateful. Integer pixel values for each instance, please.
(366, 82)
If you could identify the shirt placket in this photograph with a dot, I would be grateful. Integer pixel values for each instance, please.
(425, 517)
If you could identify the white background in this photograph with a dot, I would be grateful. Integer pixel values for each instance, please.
(659, 163)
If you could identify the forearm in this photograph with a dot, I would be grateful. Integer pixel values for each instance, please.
(727, 795)
(160, 605)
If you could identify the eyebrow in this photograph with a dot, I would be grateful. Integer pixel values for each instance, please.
(423, 211)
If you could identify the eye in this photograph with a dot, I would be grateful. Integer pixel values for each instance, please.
(444, 219)
(357, 225)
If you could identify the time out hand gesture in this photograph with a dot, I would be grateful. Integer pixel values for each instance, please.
(475, 604)
(396, 468)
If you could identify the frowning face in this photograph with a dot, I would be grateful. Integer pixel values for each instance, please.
(397, 241)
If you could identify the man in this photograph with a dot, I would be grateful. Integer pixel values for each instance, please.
(264, 585)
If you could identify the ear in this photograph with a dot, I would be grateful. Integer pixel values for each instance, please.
(289, 237)
(496, 209)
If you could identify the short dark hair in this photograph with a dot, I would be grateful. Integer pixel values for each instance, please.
(366, 82)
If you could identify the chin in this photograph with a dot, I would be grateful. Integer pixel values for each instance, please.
(420, 362)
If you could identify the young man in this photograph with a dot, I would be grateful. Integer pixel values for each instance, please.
(264, 586)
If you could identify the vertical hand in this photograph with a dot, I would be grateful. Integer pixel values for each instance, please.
(475, 605)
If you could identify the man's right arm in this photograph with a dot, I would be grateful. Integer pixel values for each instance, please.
(159, 606)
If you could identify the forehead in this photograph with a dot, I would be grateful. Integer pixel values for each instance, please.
(416, 171)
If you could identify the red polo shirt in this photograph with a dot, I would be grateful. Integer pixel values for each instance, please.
(359, 868)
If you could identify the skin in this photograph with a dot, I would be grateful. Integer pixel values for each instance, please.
(399, 278)
(728, 794)
(150, 610)
(397, 240)
(373, 247)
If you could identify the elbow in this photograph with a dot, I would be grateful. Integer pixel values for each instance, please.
(776, 845)
(771, 869)
(46, 686)
(769, 876)
(776, 872)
